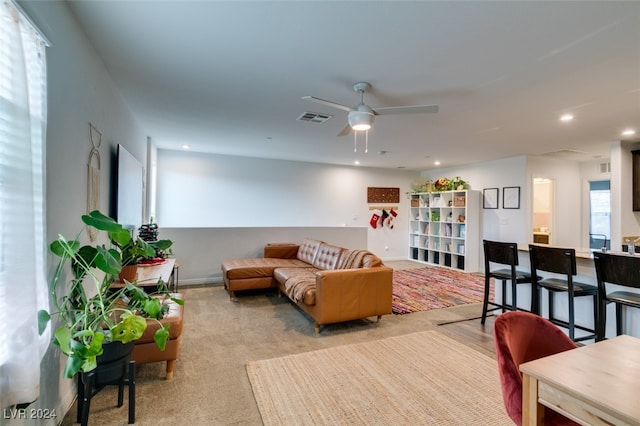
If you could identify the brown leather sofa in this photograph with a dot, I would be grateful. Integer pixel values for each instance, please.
(145, 349)
(330, 283)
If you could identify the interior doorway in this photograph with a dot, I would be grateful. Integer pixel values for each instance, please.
(543, 210)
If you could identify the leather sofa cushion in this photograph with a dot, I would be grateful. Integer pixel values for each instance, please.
(283, 274)
(281, 250)
(299, 282)
(327, 256)
(256, 268)
(308, 250)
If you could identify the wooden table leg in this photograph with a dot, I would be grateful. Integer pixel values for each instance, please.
(532, 411)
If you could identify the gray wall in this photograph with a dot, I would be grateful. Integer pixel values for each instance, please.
(218, 191)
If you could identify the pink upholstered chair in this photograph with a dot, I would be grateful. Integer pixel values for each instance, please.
(521, 337)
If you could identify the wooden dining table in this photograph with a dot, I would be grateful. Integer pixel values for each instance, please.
(596, 384)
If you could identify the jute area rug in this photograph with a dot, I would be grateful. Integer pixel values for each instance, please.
(431, 287)
(422, 378)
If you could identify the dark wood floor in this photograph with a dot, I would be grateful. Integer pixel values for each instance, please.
(473, 334)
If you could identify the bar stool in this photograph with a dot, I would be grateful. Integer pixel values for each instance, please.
(505, 254)
(561, 261)
(622, 270)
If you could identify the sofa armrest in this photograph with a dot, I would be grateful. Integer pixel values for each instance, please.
(281, 250)
(353, 293)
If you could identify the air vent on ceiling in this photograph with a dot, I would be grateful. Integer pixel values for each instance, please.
(604, 167)
(314, 117)
(563, 153)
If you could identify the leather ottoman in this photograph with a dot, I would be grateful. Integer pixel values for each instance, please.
(146, 350)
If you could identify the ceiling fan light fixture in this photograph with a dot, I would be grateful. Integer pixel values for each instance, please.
(360, 120)
(361, 127)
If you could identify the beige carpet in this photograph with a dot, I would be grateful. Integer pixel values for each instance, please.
(422, 378)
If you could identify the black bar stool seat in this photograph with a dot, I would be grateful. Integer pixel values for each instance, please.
(562, 261)
(622, 270)
(502, 254)
(557, 284)
(625, 298)
(505, 275)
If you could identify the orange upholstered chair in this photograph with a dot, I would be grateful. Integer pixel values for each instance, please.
(521, 337)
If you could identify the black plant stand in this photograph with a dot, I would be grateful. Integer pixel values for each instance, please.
(114, 368)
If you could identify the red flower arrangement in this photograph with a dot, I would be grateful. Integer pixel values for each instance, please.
(442, 184)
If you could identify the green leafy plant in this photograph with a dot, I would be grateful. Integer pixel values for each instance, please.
(459, 184)
(422, 185)
(446, 184)
(134, 250)
(90, 312)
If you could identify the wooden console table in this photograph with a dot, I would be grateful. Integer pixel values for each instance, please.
(148, 275)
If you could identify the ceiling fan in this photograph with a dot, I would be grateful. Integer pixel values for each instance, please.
(361, 116)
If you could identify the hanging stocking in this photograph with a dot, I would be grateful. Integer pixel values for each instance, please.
(374, 220)
(392, 215)
(385, 216)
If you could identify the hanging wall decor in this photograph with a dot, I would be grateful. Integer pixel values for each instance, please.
(490, 198)
(93, 176)
(383, 195)
(511, 197)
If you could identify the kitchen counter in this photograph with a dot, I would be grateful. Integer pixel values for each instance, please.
(581, 253)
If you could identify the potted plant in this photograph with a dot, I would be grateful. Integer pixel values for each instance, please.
(133, 251)
(459, 184)
(90, 312)
(422, 185)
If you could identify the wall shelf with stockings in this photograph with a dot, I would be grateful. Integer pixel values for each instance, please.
(444, 229)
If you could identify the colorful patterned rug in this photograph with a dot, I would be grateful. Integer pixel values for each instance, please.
(432, 287)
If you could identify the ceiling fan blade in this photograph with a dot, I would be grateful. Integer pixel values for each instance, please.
(344, 132)
(413, 109)
(327, 103)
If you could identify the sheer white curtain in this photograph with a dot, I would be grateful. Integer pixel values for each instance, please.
(23, 289)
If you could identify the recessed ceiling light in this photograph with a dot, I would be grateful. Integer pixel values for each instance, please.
(357, 163)
(186, 146)
(566, 117)
(628, 132)
(437, 163)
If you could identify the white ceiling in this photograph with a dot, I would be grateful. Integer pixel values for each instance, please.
(227, 77)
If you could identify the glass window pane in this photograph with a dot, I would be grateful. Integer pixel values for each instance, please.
(599, 215)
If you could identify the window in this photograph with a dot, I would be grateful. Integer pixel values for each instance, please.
(599, 214)
(23, 289)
